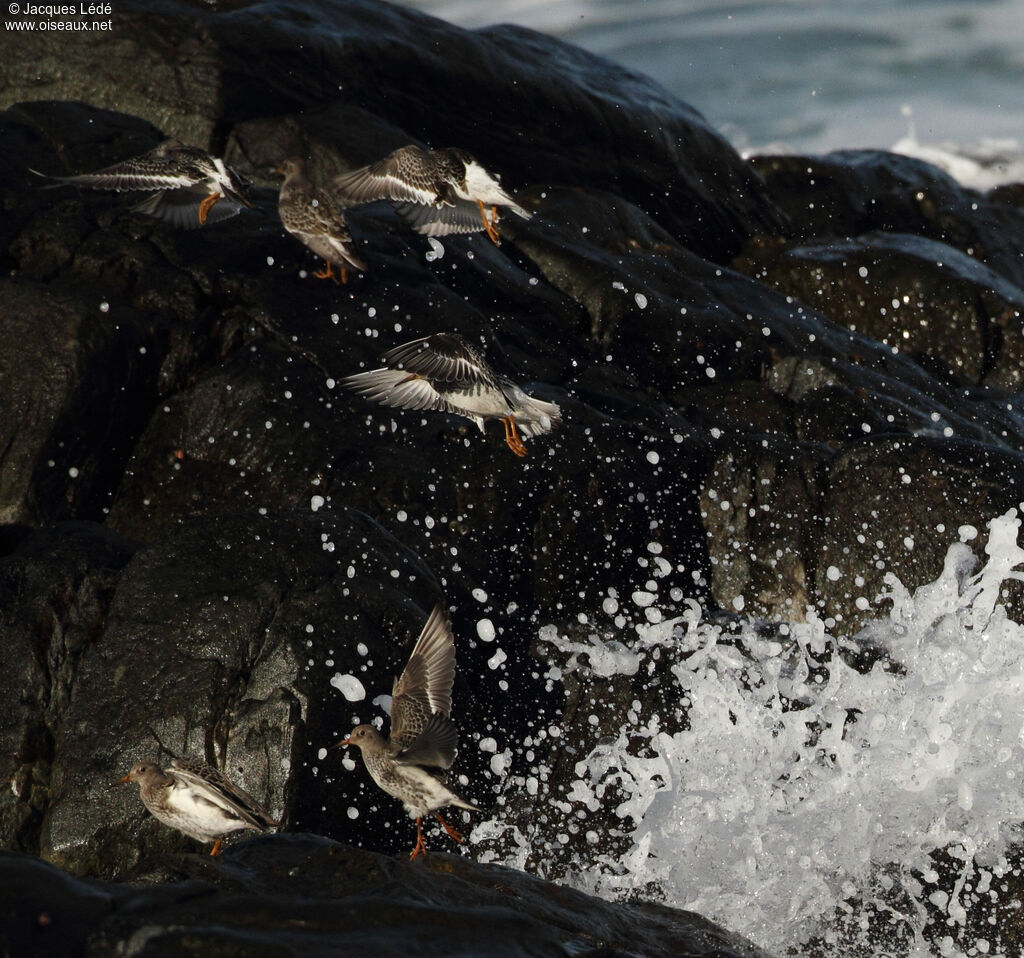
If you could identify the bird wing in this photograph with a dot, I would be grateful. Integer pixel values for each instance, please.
(212, 785)
(311, 211)
(443, 357)
(461, 217)
(180, 208)
(435, 745)
(168, 166)
(123, 177)
(403, 176)
(332, 248)
(396, 387)
(425, 685)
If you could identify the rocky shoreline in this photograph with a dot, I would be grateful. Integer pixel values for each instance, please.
(778, 372)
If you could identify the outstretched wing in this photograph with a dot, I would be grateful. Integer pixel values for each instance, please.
(406, 175)
(396, 387)
(170, 166)
(425, 686)
(212, 784)
(443, 357)
(461, 217)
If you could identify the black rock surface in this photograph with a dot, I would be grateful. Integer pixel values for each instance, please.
(204, 531)
(304, 895)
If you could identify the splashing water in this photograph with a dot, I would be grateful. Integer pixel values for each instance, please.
(790, 788)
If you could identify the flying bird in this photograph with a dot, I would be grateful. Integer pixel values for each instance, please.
(197, 800)
(189, 183)
(309, 214)
(437, 192)
(444, 373)
(408, 765)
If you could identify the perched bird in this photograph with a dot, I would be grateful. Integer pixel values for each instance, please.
(423, 737)
(189, 183)
(436, 191)
(309, 214)
(197, 800)
(443, 372)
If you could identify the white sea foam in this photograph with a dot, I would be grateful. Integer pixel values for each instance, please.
(797, 786)
(983, 164)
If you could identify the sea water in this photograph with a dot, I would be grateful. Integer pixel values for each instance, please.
(796, 798)
(811, 75)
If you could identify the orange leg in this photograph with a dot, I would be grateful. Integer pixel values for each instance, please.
(328, 273)
(420, 848)
(512, 437)
(452, 833)
(215, 851)
(489, 225)
(206, 206)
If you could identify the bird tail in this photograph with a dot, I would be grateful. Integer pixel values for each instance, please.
(543, 417)
(345, 255)
(462, 803)
(518, 210)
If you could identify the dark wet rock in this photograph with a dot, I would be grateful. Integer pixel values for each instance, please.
(852, 192)
(287, 894)
(56, 586)
(954, 316)
(204, 529)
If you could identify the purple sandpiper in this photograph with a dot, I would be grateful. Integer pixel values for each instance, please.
(436, 191)
(198, 800)
(423, 737)
(309, 214)
(189, 183)
(443, 372)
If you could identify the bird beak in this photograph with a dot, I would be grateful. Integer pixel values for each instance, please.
(124, 780)
(279, 170)
(343, 742)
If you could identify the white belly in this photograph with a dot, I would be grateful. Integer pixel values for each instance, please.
(487, 403)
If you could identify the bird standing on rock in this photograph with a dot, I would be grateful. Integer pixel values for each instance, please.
(436, 191)
(443, 372)
(423, 737)
(189, 182)
(309, 214)
(198, 800)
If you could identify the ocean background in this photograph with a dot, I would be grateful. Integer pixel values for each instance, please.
(809, 76)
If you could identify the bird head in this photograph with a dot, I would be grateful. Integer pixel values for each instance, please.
(289, 166)
(363, 737)
(142, 772)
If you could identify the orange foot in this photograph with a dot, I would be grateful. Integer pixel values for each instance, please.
(328, 273)
(452, 833)
(489, 227)
(206, 206)
(420, 848)
(215, 851)
(512, 437)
